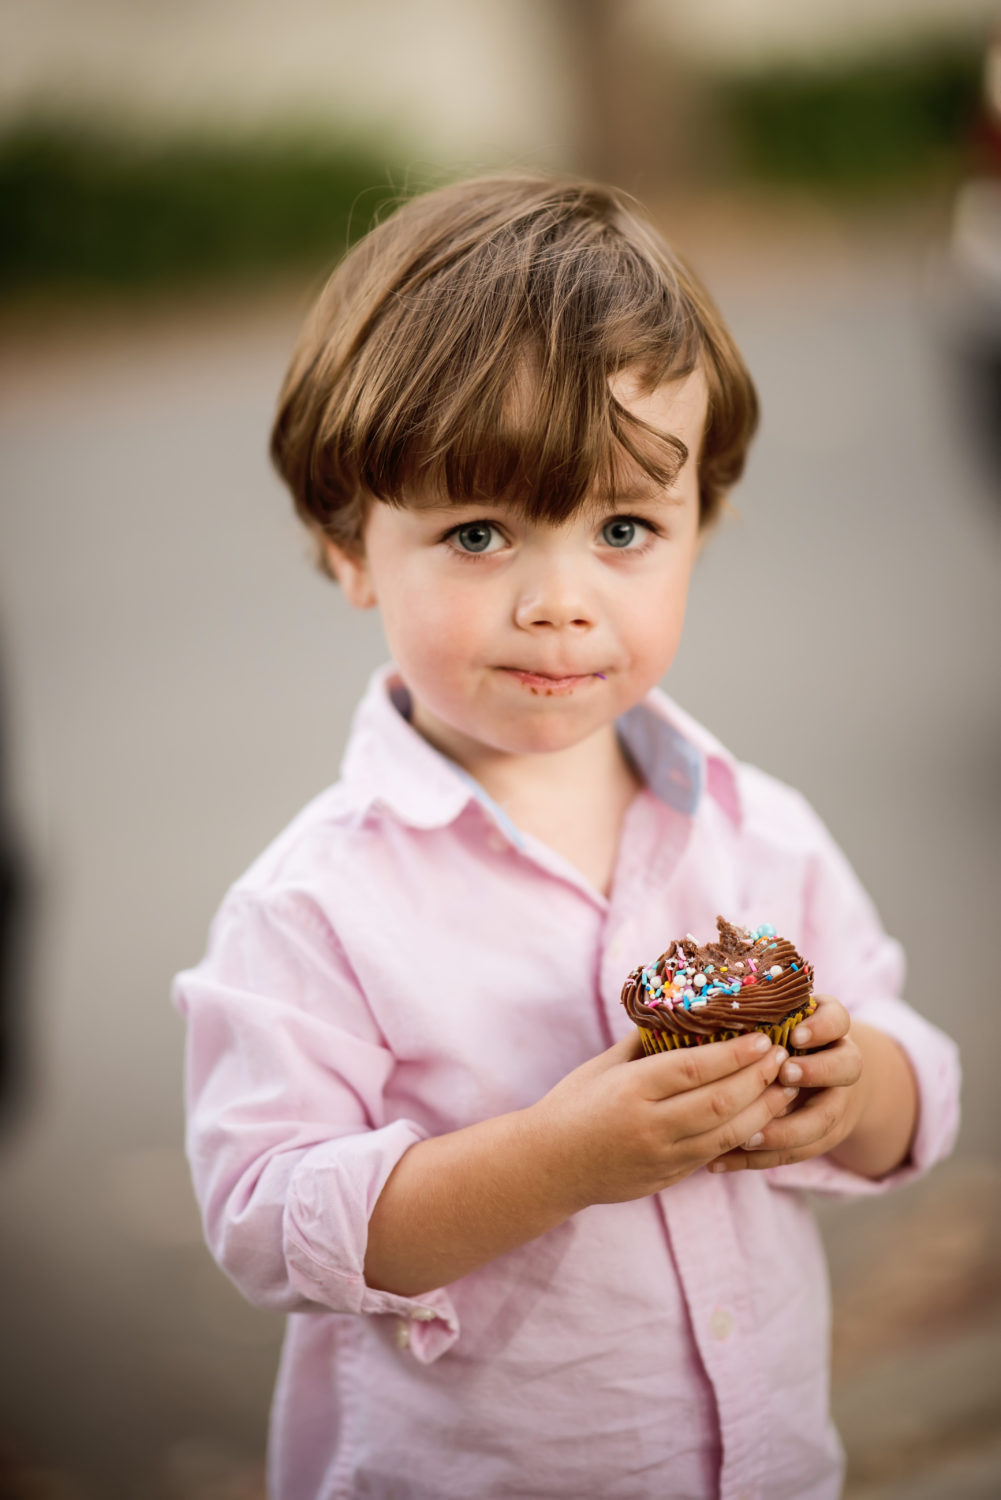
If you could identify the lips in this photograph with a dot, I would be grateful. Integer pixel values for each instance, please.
(549, 682)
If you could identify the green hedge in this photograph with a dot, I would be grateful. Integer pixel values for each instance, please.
(82, 210)
(874, 122)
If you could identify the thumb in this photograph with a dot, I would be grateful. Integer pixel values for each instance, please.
(626, 1049)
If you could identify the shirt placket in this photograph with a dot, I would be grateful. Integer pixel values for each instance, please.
(653, 844)
(699, 1221)
(696, 1212)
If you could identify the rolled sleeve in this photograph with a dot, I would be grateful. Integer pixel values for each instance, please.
(856, 961)
(934, 1059)
(331, 1196)
(288, 1139)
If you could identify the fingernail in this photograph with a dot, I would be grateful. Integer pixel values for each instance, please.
(761, 1042)
(780, 1055)
(800, 1036)
(790, 1093)
(792, 1073)
(715, 1166)
(756, 1140)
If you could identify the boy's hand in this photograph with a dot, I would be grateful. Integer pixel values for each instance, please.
(831, 1102)
(623, 1126)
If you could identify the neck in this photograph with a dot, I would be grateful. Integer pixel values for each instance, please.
(525, 781)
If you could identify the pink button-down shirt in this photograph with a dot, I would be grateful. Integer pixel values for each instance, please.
(403, 961)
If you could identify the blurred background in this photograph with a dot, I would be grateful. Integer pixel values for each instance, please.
(175, 679)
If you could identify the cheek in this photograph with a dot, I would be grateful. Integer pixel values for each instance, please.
(660, 609)
(426, 622)
(453, 618)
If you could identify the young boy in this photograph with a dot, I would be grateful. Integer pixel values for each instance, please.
(520, 1259)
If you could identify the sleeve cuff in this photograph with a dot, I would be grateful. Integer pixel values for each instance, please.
(934, 1058)
(331, 1196)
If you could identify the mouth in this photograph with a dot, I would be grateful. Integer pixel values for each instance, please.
(550, 684)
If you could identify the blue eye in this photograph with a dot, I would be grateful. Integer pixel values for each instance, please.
(621, 532)
(474, 537)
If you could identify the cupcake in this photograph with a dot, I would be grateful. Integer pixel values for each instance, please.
(745, 981)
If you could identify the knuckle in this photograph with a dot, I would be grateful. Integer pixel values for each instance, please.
(721, 1104)
(689, 1066)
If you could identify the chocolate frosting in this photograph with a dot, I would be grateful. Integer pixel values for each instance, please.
(665, 997)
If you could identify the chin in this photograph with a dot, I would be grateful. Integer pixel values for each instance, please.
(543, 739)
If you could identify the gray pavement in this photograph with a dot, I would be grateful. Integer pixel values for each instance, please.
(178, 681)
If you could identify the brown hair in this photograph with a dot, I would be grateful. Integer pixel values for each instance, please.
(464, 347)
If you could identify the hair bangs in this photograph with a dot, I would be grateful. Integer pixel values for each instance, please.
(466, 350)
(519, 410)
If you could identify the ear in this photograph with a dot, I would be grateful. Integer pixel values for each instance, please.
(352, 573)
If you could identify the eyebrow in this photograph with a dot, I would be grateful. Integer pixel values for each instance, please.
(644, 494)
(485, 509)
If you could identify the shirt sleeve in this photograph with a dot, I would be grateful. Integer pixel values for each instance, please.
(288, 1136)
(857, 962)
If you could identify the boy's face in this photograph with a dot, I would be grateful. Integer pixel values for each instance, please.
(521, 638)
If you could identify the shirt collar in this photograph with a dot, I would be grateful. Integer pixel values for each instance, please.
(388, 764)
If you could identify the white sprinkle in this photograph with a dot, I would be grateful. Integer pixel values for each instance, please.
(700, 981)
(775, 970)
(734, 1004)
(737, 965)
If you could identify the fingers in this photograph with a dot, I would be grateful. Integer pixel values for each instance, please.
(827, 1023)
(684, 1068)
(754, 1120)
(807, 1131)
(723, 1102)
(837, 1066)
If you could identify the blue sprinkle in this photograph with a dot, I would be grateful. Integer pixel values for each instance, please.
(688, 1004)
(795, 968)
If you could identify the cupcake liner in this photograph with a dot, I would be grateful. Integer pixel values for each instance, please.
(668, 1041)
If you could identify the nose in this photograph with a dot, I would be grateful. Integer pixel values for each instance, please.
(554, 597)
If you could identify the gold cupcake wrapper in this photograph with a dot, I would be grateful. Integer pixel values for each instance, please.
(668, 1041)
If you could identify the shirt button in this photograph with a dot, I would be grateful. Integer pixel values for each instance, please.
(423, 1314)
(721, 1323)
(403, 1334)
(497, 842)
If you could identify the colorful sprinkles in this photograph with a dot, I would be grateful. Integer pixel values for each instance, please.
(681, 986)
